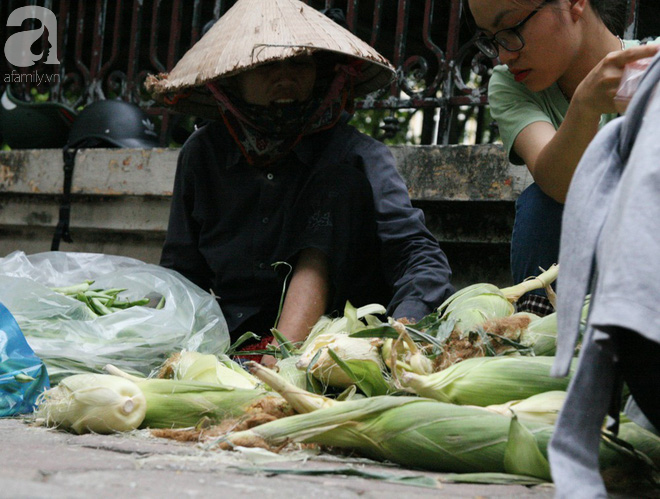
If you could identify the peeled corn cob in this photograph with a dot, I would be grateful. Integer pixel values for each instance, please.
(97, 403)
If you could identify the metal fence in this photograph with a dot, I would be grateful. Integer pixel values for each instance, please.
(107, 48)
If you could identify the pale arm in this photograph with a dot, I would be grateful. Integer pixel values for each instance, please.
(552, 156)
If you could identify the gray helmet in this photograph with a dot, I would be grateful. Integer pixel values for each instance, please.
(113, 123)
(34, 125)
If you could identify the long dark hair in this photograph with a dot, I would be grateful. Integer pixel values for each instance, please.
(613, 13)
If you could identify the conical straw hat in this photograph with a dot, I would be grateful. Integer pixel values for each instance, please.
(255, 32)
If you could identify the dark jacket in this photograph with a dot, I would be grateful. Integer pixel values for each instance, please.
(228, 222)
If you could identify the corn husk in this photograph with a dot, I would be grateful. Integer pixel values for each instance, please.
(288, 370)
(410, 431)
(207, 368)
(98, 403)
(425, 434)
(541, 335)
(642, 440)
(522, 455)
(416, 432)
(473, 305)
(487, 381)
(352, 321)
(467, 315)
(536, 335)
(337, 360)
(401, 357)
(300, 399)
(179, 403)
(466, 293)
(403, 354)
(542, 408)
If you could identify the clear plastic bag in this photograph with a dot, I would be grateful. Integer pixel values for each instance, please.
(62, 331)
(632, 75)
(22, 374)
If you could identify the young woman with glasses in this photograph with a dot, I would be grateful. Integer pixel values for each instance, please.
(561, 65)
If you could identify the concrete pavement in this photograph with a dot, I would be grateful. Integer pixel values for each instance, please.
(43, 463)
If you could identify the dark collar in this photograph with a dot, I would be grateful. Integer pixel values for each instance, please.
(306, 150)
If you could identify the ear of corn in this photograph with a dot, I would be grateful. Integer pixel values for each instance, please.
(522, 455)
(403, 354)
(425, 434)
(407, 430)
(465, 293)
(410, 431)
(288, 370)
(207, 368)
(472, 312)
(399, 357)
(300, 399)
(541, 335)
(98, 403)
(470, 307)
(340, 361)
(642, 440)
(179, 403)
(487, 380)
(349, 323)
(542, 408)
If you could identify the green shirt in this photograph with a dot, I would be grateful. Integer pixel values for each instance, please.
(514, 106)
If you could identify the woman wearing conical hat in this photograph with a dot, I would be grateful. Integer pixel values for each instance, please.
(279, 176)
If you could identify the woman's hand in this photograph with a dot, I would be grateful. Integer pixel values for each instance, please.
(595, 94)
(268, 361)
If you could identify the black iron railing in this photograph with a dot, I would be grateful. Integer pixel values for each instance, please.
(107, 48)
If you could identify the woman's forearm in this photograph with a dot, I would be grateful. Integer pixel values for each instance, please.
(557, 161)
(307, 296)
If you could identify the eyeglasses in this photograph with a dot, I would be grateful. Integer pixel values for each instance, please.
(509, 39)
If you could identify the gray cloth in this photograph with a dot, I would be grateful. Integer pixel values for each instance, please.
(609, 248)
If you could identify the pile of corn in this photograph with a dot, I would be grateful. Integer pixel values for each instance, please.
(466, 389)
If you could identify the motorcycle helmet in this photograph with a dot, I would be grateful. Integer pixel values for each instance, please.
(113, 123)
(34, 125)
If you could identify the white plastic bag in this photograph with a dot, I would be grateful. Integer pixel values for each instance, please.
(69, 340)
